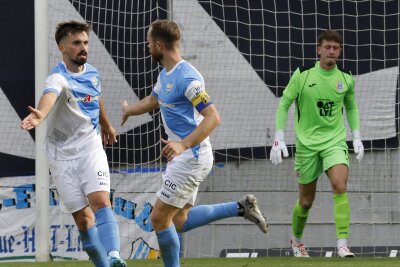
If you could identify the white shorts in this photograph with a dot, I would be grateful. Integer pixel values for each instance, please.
(76, 178)
(182, 178)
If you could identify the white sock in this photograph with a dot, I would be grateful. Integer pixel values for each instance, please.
(114, 253)
(342, 242)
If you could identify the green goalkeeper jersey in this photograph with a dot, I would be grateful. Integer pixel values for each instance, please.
(319, 95)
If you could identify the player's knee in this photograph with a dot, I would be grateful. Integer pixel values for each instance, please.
(158, 221)
(84, 222)
(339, 188)
(306, 203)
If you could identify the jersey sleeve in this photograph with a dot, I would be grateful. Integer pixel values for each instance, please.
(156, 88)
(55, 83)
(352, 113)
(196, 93)
(289, 95)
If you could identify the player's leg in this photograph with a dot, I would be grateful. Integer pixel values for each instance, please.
(336, 163)
(192, 217)
(96, 185)
(167, 236)
(89, 235)
(308, 166)
(74, 200)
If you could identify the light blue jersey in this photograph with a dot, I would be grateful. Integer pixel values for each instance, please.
(72, 125)
(182, 96)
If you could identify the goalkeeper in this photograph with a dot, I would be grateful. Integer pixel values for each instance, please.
(320, 91)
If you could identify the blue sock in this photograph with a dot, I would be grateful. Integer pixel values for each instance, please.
(108, 229)
(93, 247)
(204, 214)
(168, 242)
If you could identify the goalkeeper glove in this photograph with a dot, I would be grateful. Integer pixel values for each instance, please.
(358, 145)
(278, 148)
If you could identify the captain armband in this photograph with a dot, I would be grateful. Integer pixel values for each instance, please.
(201, 100)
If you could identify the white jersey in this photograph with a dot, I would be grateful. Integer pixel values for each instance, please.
(73, 123)
(181, 95)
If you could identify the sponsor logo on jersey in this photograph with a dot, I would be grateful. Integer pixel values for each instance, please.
(312, 85)
(325, 107)
(103, 183)
(85, 99)
(169, 88)
(339, 86)
(165, 105)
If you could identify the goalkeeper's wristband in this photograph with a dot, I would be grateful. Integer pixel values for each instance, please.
(279, 135)
(356, 135)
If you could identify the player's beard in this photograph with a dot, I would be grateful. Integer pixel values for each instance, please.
(330, 62)
(157, 57)
(79, 61)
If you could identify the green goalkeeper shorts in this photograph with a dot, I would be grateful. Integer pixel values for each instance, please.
(310, 164)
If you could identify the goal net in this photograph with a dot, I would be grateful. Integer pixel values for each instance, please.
(246, 51)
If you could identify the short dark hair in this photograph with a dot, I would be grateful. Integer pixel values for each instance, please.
(70, 27)
(167, 31)
(330, 35)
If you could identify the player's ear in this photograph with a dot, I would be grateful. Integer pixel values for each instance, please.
(319, 50)
(159, 45)
(61, 47)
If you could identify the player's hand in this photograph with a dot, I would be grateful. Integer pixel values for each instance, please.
(125, 114)
(172, 149)
(358, 145)
(33, 119)
(358, 149)
(278, 148)
(109, 135)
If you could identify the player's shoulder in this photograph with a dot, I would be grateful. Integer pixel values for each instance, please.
(91, 68)
(60, 68)
(188, 71)
(345, 71)
(305, 68)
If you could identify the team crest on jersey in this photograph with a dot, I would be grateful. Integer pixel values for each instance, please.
(169, 87)
(339, 86)
(95, 82)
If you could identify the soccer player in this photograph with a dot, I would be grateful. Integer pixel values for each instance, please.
(320, 91)
(189, 117)
(74, 109)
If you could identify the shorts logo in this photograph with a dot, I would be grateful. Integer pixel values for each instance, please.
(102, 174)
(170, 184)
(165, 194)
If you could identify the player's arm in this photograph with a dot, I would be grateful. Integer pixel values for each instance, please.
(109, 135)
(37, 115)
(289, 95)
(147, 104)
(201, 101)
(203, 130)
(353, 118)
(53, 86)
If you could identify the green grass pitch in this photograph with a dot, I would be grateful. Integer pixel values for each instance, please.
(242, 262)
